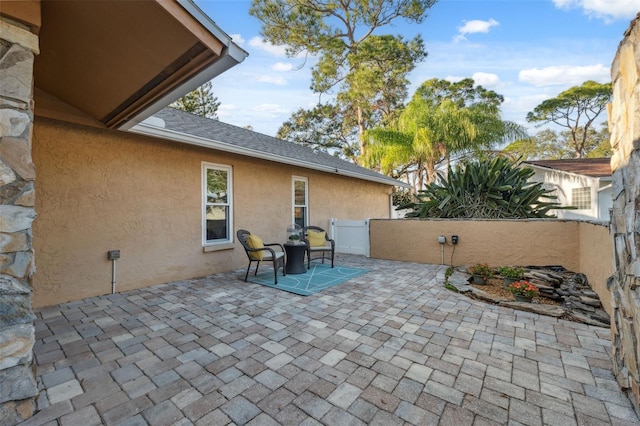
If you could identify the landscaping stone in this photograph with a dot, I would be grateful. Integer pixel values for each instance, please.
(579, 302)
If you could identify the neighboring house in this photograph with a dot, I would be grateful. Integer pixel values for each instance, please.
(584, 183)
(171, 190)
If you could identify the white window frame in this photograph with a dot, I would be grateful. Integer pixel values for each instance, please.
(229, 204)
(295, 179)
(580, 197)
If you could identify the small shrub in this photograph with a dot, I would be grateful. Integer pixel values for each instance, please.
(523, 288)
(481, 269)
(448, 273)
(511, 272)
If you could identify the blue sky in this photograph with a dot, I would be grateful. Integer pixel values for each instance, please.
(525, 50)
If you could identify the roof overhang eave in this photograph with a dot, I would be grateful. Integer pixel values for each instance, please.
(155, 131)
(231, 56)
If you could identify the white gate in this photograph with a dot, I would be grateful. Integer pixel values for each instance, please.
(351, 236)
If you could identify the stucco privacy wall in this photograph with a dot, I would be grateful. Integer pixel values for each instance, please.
(102, 190)
(578, 246)
(624, 127)
(17, 381)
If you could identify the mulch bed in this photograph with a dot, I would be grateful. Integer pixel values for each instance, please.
(495, 287)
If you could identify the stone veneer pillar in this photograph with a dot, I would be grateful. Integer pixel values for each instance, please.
(18, 387)
(624, 126)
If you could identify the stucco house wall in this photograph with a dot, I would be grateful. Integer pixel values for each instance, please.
(102, 190)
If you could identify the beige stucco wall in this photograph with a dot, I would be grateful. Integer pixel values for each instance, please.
(595, 259)
(100, 190)
(578, 246)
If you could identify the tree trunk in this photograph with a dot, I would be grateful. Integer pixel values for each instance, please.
(363, 143)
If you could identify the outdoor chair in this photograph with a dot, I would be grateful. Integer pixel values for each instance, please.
(257, 251)
(319, 245)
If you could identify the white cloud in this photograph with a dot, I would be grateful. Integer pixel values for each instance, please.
(271, 109)
(475, 26)
(281, 66)
(226, 110)
(237, 39)
(259, 43)
(564, 75)
(486, 80)
(606, 10)
(273, 79)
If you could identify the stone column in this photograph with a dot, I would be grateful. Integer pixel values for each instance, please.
(624, 125)
(18, 387)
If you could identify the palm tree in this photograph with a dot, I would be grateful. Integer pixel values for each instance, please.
(425, 136)
(432, 129)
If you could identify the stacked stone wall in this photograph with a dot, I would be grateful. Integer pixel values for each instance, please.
(624, 125)
(18, 387)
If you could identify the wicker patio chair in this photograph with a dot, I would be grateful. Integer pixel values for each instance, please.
(257, 251)
(319, 245)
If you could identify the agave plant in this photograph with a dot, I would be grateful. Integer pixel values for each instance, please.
(495, 188)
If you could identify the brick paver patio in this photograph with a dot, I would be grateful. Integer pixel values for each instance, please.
(389, 347)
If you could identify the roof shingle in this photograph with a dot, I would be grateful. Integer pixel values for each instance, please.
(258, 145)
(593, 167)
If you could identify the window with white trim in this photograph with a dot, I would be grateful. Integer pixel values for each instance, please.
(300, 201)
(217, 211)
(581, 198)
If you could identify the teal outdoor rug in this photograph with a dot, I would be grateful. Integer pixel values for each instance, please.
(318, 278)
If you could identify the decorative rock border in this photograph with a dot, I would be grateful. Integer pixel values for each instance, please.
(579, 302)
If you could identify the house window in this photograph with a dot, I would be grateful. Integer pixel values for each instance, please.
(300, 201)
(217, 203)
(581, 198)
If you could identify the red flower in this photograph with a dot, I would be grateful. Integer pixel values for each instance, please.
(524, 288)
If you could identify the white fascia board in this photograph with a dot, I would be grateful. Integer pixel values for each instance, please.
(235, 51)
(605, 187)
(231, 56)
(158, 132)
(550, 169)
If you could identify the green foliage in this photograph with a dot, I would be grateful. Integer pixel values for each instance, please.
(523, 288)
(368, 70)
(451, 287)
(448, 272)
(551, 145)
(322, 128)
(200, 102)
(496, 188)
(442, 119)
(511, 272)
(575, 109)
(482, 270)
(402, 197)
(377, 81)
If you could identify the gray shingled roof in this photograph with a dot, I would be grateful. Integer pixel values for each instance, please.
(189, 128)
